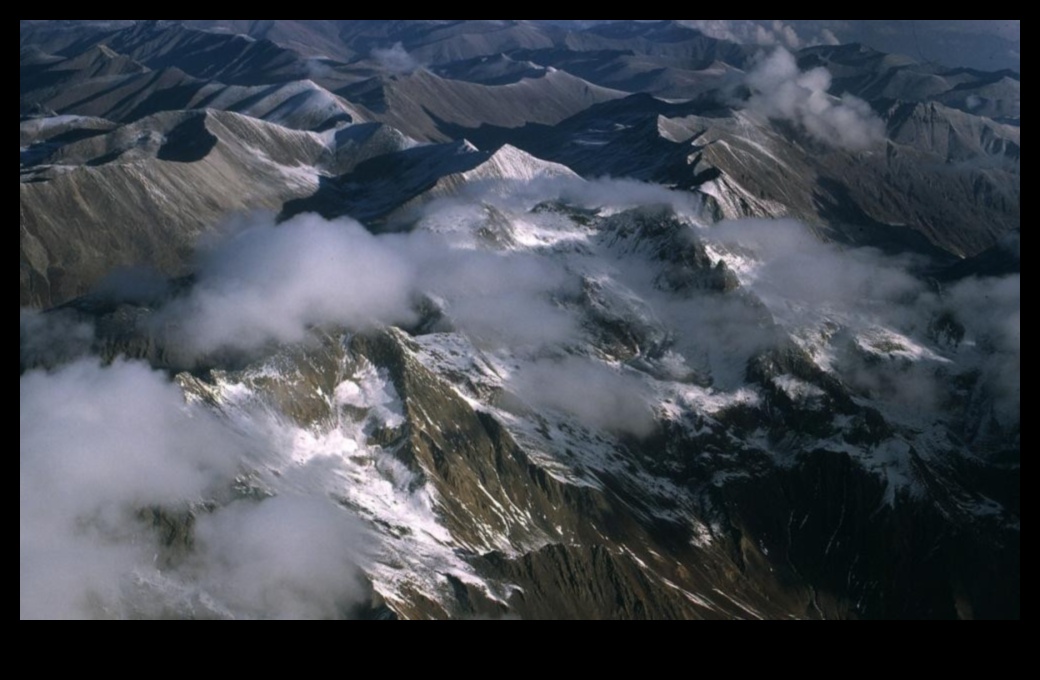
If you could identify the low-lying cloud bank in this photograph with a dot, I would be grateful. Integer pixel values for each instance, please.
(113, 464)
(271, 283)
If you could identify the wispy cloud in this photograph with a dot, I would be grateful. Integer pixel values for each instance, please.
(395, 59)
(781, 91)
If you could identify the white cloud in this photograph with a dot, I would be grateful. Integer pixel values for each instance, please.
(271, 283)
(781, 91)
(395, 59)
(598, 395)
(97, 445)
(287, 557)
(101, 447)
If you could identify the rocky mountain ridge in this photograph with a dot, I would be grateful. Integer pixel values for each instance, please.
(519, 331)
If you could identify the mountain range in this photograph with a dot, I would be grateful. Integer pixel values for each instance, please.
(496, 319)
